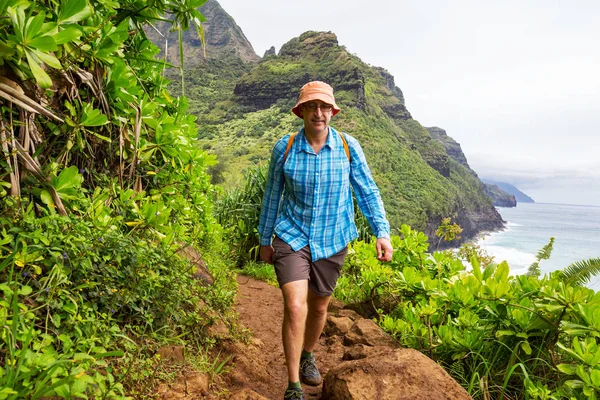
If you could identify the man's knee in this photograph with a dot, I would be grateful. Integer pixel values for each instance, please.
(295, 307)
(317, 306)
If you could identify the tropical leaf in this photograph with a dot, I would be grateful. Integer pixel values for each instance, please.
(48, 59)
(68, 34)
(73, 11)
(43, 43)
(67, 183)
(580, 272)
(39, 74)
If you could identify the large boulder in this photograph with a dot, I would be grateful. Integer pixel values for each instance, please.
(392, 374)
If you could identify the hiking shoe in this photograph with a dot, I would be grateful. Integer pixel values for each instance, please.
(309, 373)
(293, 394)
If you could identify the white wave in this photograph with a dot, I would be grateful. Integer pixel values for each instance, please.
(511, 224)
(518, 261)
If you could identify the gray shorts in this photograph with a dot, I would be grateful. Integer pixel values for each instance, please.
(291, 265)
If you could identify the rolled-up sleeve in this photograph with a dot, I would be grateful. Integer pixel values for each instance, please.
(273, 191)
(366, 191)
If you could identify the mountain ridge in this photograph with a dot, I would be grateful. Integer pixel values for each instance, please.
(511, 189)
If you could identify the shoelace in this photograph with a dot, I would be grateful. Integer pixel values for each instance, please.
(309, 367)
(294, 394)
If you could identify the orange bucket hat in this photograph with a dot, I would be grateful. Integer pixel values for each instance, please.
(316, 90)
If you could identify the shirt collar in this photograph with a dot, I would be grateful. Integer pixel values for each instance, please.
(303, 144)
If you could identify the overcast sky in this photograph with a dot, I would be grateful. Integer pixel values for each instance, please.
(515, 82)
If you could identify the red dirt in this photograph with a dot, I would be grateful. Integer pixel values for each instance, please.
(261, 366)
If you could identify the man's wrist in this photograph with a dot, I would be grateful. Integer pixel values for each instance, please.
(265, 241)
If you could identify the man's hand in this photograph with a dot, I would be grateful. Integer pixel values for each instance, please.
(266, 254)
(384, 249)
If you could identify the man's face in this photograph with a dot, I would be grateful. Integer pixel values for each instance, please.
(317, 115)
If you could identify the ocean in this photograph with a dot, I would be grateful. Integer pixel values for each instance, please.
(530, 226)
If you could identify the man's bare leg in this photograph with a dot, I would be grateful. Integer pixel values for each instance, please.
(294, 320)
(315, 320)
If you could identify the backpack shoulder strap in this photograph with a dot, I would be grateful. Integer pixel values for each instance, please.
(346, 148)
(293, 136)
(289, 146)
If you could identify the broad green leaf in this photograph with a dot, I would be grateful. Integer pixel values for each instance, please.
(43, 43)
(526, 347)
(69, 34)
(17, 16)
(489, 270)
(574, 329)
(109, 4)
(502, 271)
(25, 290)
(568, 369)
(476, 268)
(501, 333)
(69, 177)
(46, 198)
(33, 27)
(93, 116)
(6, 289)
(48, 59)
(67, 183)
(39, 74)
(73, 11)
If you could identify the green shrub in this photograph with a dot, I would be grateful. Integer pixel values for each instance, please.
(500, 336)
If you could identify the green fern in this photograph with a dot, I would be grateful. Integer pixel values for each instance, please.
(543, 254)
(580, 272)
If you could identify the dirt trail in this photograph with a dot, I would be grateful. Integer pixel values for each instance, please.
(261, 366)
(375, 366)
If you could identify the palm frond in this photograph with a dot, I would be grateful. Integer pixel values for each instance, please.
(580, 272)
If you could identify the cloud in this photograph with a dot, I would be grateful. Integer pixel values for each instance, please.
(522, 168)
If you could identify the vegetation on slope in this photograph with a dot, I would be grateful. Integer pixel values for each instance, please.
(102, 187)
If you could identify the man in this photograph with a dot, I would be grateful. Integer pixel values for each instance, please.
(313, 223)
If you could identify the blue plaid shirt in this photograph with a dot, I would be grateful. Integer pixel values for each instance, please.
(317, 208)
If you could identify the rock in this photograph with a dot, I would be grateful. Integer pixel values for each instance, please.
(346, 312)
(270, 52)
(399, 374)
(360, 351)
(451, 146)
(365, 331)
(337, 325)
(191, 386)
(218, 330)
(222, 38)
(172, 354)
(335, 306)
